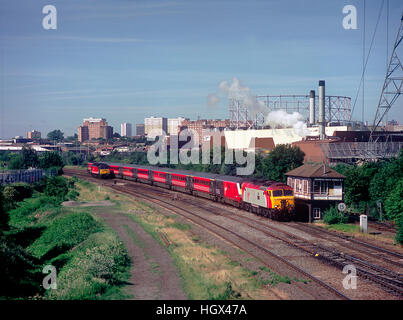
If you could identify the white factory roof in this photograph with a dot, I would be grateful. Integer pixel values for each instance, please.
(17, 148)
(240, 139)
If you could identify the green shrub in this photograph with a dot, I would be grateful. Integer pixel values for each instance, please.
(228, 294)
(3, 214)
(51, 159)
(17, 192)
(56, 187)
(334, 216)
(99, 263)
(40, 185)
(19, 274)
(399, 235)
(73, 195)
(24, 214)
(17, 163)
(394, 202)
(63, 234)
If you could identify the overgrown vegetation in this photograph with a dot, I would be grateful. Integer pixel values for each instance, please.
(370, 183)
(334, 216)
(35, 231)
(28, 158)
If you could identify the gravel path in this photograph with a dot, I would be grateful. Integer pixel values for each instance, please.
(153, 275)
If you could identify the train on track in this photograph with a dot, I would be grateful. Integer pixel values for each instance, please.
(270, 199)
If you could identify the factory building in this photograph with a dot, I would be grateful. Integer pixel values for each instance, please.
(126, 129)
(240, 139)
(94, 128)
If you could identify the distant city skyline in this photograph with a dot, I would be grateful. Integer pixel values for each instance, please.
(130, 60)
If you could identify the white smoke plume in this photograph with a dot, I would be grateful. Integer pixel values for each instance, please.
(280, 118)
(276, 119)
(237, 91)
(212, 99)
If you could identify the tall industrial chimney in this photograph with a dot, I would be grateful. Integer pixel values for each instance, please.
(312, 107)
(322, 121)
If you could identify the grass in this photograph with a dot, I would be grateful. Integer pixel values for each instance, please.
(28, 211)
(348, 228)
(63, 234)
(135, 238)
(275, 278)
(180, 226)
(205, 270)
(97, 269)
(90, 260)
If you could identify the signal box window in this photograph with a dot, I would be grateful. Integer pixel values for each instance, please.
(317, 215)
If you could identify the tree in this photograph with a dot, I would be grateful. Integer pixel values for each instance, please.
(280, 160)
(3, 214)
(399, 235)
(51, 159)
(56, 187)
(16, 163)
(386, 178)
(29, 157)
(71, 138)
(358, 181)
(73, 159)
(394, 202)
(56, 135)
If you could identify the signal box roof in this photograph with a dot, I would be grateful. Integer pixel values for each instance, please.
(315, 171)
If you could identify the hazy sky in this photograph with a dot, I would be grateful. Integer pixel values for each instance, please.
(126, 60)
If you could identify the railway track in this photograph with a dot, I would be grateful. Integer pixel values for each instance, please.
(235, 238)
(388, 279)
(376, 251)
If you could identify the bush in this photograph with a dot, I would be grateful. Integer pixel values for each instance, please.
(51, 159)
(73, 195)
(56, 187)
(100, 262)
(24, 214)
(63, 234)
(40, 185)
(17, 163)
(17, 192)
(399, 235)
(3, 215)
(19, 274)
(394, 202)
(334, 216)
(106, 261)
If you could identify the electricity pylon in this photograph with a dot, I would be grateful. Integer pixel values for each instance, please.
(392, 87)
